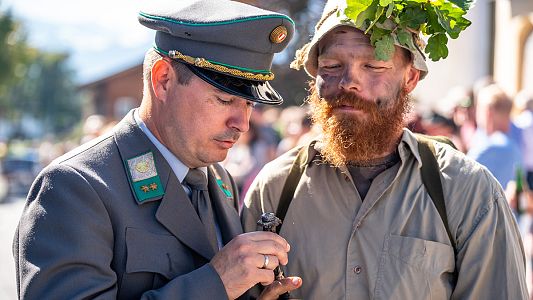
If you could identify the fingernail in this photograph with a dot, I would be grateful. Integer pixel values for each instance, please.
(288, 247)
(295, 281)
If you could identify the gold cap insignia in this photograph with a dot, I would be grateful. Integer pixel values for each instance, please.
(278, 35)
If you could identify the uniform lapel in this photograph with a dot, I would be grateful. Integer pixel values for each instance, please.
(175, 211)
(227, 216)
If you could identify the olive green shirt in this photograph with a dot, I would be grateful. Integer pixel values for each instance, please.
(394, 244)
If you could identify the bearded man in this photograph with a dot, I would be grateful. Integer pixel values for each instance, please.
(361, 221)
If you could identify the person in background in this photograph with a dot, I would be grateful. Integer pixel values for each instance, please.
(439, 125)
(492, 147)
(146, 211)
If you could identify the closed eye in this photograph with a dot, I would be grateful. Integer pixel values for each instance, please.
(331, 67)
(231, 101)
(224, 102)
(375, 67)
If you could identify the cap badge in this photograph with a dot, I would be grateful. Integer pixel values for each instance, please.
(278, 35)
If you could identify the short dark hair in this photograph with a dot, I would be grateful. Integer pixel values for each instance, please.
(184, 74)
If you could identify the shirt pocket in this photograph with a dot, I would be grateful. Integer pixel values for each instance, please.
(413, 268)
(156, 253)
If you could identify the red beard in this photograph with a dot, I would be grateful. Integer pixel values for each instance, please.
(349, 139)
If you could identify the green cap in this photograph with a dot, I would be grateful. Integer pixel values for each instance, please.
(228, 44)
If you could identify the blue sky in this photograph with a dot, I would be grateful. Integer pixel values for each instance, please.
(102, 36)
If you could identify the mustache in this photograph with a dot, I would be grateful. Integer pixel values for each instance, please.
(350, 99)
(229, 135)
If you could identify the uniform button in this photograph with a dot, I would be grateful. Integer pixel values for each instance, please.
(346, 178)
(357, 269)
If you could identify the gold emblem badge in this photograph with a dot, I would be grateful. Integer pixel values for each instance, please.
(142, 167)
(278, 35)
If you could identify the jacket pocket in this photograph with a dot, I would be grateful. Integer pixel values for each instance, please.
(156, 253)
(413, 268)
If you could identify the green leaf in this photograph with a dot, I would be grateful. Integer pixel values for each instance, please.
(433, 25)
(366, 15)
(445, 23)
(412, 17)
(377, 15)
(355, 7)
(405, 38)
(436, 47)
(385, 2)
(384, 48)
(389, 10)
(377, 34)
(463, 4)
(451, 18)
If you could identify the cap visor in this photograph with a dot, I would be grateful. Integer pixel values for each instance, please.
(257, 91)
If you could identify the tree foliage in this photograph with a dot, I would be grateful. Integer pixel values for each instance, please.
(13, 55)
(33, 82)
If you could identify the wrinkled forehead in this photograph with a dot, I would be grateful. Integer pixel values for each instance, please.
(343, 35)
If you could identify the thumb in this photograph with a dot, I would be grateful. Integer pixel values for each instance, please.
(278, 287)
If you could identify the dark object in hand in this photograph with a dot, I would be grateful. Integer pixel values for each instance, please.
(270, 222)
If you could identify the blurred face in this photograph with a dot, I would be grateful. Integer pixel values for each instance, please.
(360, 102)
(200, 123)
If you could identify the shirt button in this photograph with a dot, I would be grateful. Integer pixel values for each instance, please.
(357, 269)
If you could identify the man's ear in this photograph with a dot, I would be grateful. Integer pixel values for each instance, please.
(161, 75)
(411, 78)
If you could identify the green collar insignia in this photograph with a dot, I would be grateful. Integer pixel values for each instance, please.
(143, 177)
(224, 188)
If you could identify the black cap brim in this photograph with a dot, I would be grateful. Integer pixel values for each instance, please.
(256, 91)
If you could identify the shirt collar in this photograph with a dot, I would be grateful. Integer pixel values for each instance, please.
(179, 169)
(409, 144)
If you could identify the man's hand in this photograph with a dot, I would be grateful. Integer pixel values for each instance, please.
(278, 287)
(240, 263)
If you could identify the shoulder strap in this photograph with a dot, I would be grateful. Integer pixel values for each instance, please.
(295, 173)
(431, 179)
(438, 138)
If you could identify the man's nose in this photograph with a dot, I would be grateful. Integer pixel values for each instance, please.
(350, 80)
(240, 118)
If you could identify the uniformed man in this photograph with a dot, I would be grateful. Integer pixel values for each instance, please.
(145, 211)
